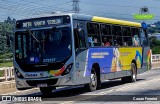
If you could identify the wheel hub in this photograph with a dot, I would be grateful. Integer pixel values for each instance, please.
(134, 73)
(93, 80)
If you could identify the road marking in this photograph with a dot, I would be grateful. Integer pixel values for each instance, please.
(68, 102)
(137, 84)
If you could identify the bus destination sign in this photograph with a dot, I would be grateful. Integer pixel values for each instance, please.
(39, 22)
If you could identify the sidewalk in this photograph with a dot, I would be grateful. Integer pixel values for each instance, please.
(155, 65)
(7, 86)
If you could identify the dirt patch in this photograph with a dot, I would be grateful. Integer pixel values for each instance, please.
(6, 87)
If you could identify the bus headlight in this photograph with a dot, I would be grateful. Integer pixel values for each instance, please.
(19, 75)
(68, 69)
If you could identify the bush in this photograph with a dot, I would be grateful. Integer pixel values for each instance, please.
(155, 45)
(1, 73)
(156, 50)
(6, 64)
(6, 55)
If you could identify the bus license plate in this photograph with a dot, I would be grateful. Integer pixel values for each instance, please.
(42, 85)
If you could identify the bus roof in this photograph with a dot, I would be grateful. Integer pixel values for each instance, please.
(115, 21)
(44, 15)
(106, 20)
(91, 18)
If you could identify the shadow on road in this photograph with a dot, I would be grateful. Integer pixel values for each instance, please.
(73, 91)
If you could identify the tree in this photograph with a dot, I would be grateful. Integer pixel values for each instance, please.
(155, 45)
(6, 28)
(9, 20)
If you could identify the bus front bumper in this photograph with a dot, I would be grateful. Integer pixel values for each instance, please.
(40, 82)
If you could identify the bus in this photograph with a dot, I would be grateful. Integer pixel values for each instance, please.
(74, 49)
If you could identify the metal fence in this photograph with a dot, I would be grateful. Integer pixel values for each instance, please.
(156, 58)
(155, 61)
(6, 73)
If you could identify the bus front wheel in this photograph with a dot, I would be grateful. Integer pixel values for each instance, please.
(92, 86)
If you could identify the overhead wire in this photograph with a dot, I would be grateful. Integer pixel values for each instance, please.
(38, 9)
(123, 6)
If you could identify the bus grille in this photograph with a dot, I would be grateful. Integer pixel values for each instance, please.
(34, 68)
(48, 82)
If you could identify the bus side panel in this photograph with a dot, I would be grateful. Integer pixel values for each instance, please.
(81, 66)
(112, 61)
(129, 54)
(103, 57)
(146, 60)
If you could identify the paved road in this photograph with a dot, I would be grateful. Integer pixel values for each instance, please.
(146, 88)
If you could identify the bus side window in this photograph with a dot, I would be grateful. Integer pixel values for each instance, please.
(117, 35)
(106, 35)
(79, 39)
(135, 37)
(81, 36)
(143, 37)
(127, 36)
(18, 47)
(93, 34)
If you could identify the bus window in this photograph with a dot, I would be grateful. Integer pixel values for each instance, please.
(18, 51)
(143, 37)
(82, 42)
(135, 37)
(19, 43)
(24, 46)
(93, 34)
(79, 40)
(106, 35)
(127, 39)
(117, 36)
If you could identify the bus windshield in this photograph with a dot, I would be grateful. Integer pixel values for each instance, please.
(43, 46)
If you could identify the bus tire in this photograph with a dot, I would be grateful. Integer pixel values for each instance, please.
(133, 77)
(92, 86)
(46, 90)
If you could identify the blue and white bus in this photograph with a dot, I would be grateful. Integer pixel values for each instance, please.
(73, 49)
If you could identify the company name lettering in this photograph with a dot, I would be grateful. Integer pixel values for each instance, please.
(31, 75)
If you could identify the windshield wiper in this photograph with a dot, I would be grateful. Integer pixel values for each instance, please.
(32, 35)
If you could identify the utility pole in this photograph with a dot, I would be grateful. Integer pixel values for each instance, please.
(75, 6)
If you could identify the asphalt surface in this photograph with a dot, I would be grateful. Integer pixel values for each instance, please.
(145, 90)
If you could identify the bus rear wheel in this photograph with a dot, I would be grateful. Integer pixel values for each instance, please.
(47, 90)
(133, 77)
(92, 86)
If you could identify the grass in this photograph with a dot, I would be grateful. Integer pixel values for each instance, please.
(6, 64)
(1, 73)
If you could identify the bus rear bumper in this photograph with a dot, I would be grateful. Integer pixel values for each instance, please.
(37, 82)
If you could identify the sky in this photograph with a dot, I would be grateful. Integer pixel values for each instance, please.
(120, 9)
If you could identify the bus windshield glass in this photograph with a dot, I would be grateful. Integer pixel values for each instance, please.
(43, 46)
